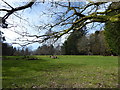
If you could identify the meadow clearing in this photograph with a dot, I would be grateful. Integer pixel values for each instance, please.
(66, 71)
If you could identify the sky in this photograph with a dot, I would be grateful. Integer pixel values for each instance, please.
(31, 19)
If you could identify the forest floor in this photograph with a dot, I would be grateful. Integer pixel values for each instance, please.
(66, 71)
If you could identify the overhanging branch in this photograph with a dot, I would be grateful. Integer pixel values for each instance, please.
(9, 12)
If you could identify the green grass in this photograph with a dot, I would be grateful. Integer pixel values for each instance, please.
(64, 72)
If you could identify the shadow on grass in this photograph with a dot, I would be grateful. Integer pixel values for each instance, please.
(33, 63)
(22, 58)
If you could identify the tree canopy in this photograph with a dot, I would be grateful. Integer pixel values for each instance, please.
(113, 30)
(72, 16)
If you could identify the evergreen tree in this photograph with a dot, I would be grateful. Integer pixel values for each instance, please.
(70, 45)
(112, 30)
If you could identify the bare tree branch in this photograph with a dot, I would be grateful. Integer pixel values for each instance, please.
(74, 18)
(9, 12)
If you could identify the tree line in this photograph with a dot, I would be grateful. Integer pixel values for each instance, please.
(9, 50)
(78, 43)
(93, 44)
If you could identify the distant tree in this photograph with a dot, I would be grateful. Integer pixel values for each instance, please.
(94, 44)
(2, 38)
(70, 45)
(51, 39)
(7, 50)
(48, 50)
(57, 50)
(27, 51)
(45, 50)
(98, 45)
(17, 52)
(22, 52)
(37, 51)
(83, 46)
(104, 46)
(51, 50)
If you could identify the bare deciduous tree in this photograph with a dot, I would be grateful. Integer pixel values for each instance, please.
(73, 16)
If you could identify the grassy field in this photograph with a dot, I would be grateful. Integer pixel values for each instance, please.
(64, 72)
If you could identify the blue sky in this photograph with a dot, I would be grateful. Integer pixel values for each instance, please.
(32, 17)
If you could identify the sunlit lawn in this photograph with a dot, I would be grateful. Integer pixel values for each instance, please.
(64, 72)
